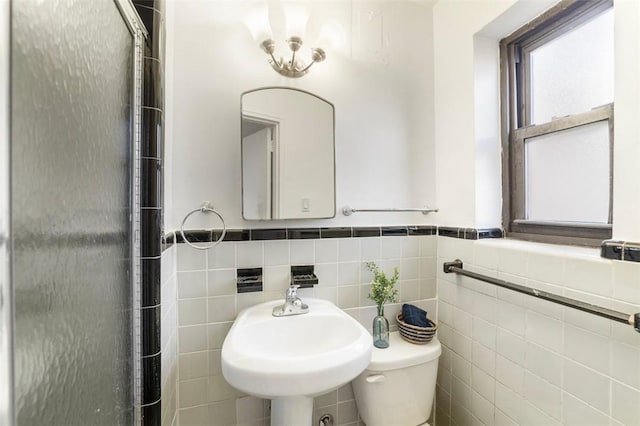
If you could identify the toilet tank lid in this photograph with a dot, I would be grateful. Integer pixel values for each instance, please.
(401, 353)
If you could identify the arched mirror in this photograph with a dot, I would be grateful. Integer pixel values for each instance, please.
(288, 155)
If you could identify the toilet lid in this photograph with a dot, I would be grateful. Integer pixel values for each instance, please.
(401, 353)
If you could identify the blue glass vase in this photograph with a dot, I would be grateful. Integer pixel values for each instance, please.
(380, 330)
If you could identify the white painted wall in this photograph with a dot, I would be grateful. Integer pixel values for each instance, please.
(626, 154)
(467, 125)
(381, 87)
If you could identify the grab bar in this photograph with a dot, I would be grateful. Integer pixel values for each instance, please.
(633, 319)
(348, 211)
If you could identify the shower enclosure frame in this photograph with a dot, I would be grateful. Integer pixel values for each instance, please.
(139, 34)
(6, 315)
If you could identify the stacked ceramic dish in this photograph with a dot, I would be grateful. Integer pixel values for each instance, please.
(415, 334)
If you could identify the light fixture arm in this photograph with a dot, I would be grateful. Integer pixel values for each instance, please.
(293, 68)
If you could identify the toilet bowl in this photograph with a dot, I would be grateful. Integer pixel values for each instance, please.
(398, 386)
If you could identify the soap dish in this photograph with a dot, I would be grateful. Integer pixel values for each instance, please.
(415, 334)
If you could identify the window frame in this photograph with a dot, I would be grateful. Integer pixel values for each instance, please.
(516, 124)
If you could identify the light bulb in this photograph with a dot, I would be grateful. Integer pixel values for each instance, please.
(331, 36)
(297, 18)
(257, 22)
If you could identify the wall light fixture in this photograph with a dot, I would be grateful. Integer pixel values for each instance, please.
(257, 21)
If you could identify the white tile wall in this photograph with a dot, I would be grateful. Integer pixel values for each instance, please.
(507, 359)
(533, 362)
(207, 304)
(168, 336)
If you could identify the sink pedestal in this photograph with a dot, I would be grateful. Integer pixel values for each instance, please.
(293, 410)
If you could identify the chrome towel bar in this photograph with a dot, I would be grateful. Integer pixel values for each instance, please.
(348, 211)
(633, 319)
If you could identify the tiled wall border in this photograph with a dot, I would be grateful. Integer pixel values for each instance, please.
(151, 184)
(204, 236)
(620, 250)
(470, 233)
(610, 249)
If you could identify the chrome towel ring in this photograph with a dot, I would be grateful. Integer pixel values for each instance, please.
(206, 207)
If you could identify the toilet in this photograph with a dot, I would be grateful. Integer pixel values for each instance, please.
(398, 386)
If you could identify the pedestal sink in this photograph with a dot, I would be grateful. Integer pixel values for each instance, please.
(292, 359)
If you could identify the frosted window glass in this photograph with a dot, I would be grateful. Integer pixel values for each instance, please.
(70, 189)
(573, 73)
(567, 175)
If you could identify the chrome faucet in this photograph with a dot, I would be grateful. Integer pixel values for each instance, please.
(293, 305)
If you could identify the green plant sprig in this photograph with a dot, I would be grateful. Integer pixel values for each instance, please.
(382, 289)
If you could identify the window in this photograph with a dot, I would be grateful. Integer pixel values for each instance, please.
(557, 91)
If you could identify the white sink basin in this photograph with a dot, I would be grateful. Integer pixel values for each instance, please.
(291, 359)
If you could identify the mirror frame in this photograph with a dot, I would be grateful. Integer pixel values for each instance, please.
(333, 113)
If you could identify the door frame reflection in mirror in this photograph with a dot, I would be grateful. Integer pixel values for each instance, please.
(260, 120)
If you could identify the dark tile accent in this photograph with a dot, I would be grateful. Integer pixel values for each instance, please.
(150, 177)
(422, 230)
(490, 233)
(146, 14)
(303, 233)
(269, 234)
(344, 232)
(145, 3)
(632, 253)
(151, 215)
(147, 49)
(152, 91)
(168, 240)
(234, 235)
(366, 232)
(151, 379)
(152, 18)
(449, 232)
(338, 232)
(152, 415)
(610, 249)
(249, 280)
(151, 278)
(391, 231)
(151, 331)
(195, 236)
(151, 232)
(151, 133)
(468, 233)
(155, 29)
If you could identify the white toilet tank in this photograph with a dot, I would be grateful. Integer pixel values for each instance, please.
(397, 388)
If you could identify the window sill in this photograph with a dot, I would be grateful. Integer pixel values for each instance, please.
(544, 248)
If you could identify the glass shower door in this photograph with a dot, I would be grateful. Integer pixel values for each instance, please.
(71, 213)
(5, 296)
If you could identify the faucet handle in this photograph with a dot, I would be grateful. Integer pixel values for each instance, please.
(292, 291)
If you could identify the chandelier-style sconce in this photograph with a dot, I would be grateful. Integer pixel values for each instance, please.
(257, 21)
